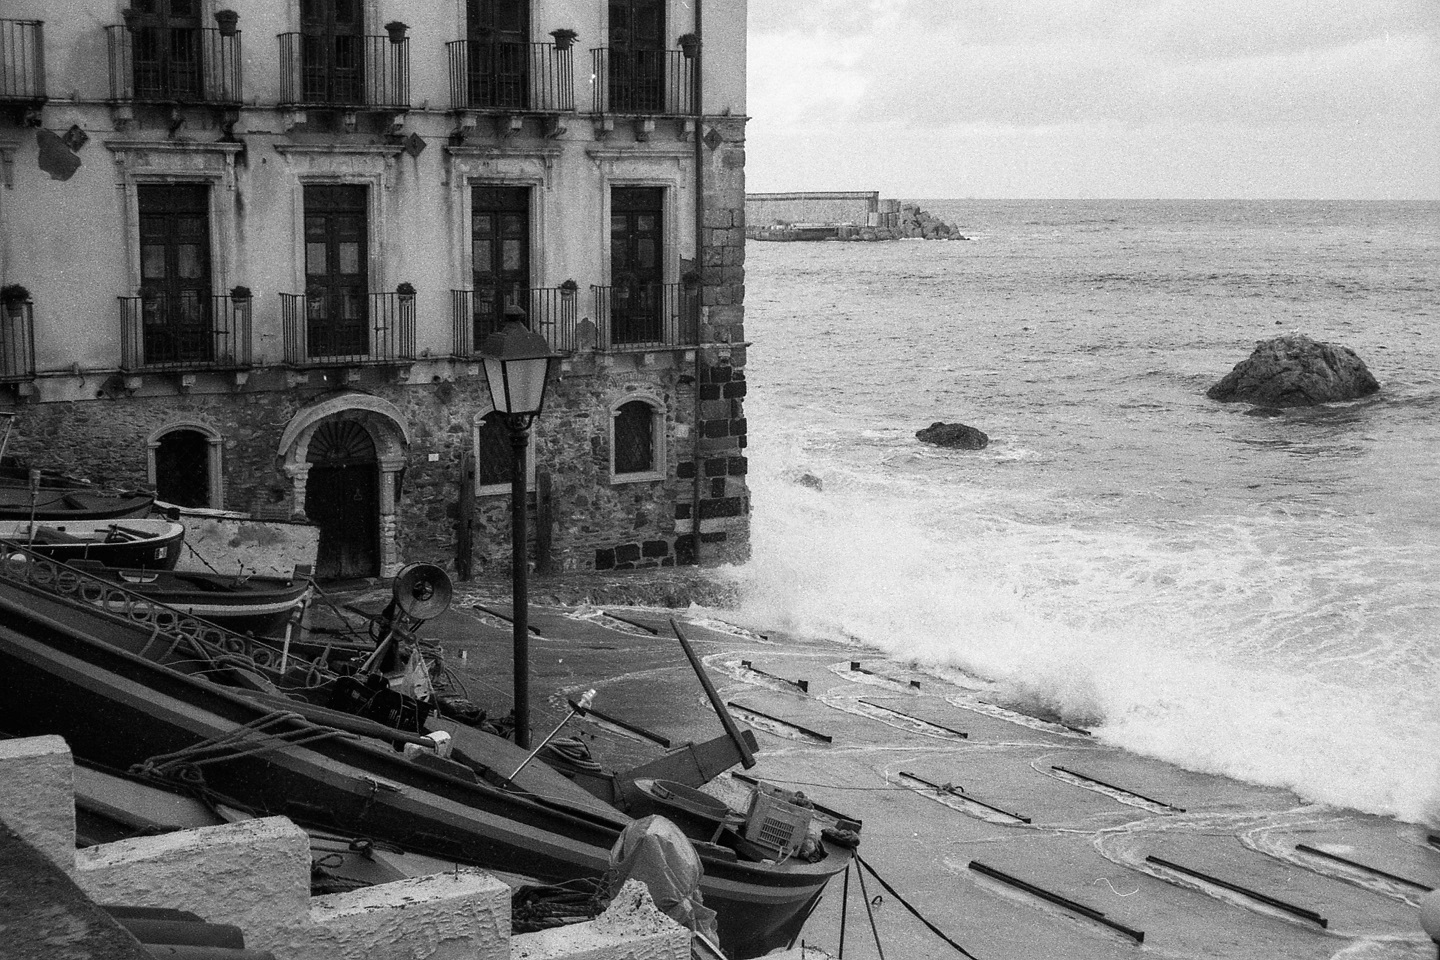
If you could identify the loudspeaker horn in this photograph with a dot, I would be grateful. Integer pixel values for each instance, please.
(422, 591)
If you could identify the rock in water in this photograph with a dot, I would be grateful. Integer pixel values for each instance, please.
(956, 436)
(1295, 371)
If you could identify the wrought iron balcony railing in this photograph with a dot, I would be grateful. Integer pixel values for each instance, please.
(642, 82)
(155, 64)
(17, 342)
(347, 72)
(185, 332)
(551, 312)
(511, 77)
(348, 329)
(642, 315)
(22, 61)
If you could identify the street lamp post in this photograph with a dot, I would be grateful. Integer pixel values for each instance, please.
(517, 366)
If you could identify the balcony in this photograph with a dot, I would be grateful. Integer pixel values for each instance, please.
(348, 329)
(344, 72)
(22, 62)
(500, 77)
(641, 82)
(17, 342)
(184, 333)
(644, 316)
(551, 312)
(174, 65)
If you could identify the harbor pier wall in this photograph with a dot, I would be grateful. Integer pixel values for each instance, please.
(839, 215)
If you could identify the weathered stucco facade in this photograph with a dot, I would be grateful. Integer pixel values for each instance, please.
(115, 145)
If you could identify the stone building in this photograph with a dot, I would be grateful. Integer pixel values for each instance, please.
(249, 260)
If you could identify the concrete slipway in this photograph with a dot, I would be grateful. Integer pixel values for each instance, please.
(1243, 871)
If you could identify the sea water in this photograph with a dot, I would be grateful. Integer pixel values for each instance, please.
(1242, 592)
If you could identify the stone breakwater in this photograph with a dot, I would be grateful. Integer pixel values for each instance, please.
(859, 215)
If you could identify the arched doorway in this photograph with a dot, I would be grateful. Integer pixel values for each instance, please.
(364, 452)
(342, 499)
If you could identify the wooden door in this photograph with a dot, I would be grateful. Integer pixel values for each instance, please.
(336, 271)
(637, 56)
(332, 51)
(175, 277)
(165, 49)
(636, 264)
(342, 499)
(500, 255)
(498, 32)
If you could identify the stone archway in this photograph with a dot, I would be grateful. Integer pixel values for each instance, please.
(361, 418)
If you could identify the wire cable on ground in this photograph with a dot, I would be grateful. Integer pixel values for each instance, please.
(870, 912)
(906, 904)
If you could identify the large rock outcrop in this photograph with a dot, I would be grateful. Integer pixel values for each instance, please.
(1295, 371)
(956, 436)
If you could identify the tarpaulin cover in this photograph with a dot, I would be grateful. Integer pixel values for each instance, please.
(653, 850)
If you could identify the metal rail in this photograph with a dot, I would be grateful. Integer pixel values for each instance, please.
(1098, 916)
(803, 685)
(823, 737)
(1316, 851)
(1305, 913)
(929, 723)
(1159, 803)
(952, 791)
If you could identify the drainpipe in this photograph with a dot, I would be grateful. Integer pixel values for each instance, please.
(698, 109)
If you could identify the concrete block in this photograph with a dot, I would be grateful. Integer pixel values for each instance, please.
(37, 795)
(254, 874)
(464, 915)
(631, 929)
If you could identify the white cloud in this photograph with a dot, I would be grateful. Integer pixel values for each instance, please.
(1319, 93)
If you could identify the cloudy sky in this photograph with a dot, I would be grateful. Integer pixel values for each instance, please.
(1096, 98)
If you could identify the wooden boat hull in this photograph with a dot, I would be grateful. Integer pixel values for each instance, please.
(123, 710)
(139, 544)
(70, 503)
(259, 606)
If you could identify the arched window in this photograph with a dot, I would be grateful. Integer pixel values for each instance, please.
(185, 467)
(637, 435)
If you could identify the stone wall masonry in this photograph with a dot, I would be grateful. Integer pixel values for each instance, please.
(107, 439)
(37, 787)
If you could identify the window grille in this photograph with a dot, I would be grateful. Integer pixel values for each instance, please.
(635, 438)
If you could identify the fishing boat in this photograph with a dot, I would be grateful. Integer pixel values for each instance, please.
(71, 503)
(162, 709)
(139, 544)
(259, 606)
(48, 495)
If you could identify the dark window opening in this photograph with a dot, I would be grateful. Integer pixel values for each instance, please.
(332, 51)
(165, 48)
(336, 270)
(637, 56)
(499, 254)
(498, 35)
(182, 469)
(495, 460)
(635, 438)
(175, 273)
(636, 264)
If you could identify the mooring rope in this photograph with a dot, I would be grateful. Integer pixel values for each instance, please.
(865, 895)
(906, 904)
(251, 739)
